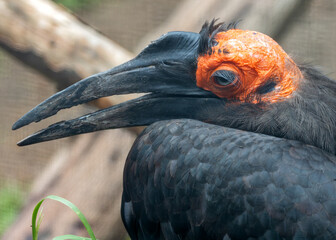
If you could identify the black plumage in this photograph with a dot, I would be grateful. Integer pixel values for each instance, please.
(208, 33)
(185, 179)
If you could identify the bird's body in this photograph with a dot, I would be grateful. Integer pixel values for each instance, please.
(185, 179)
(259, 164)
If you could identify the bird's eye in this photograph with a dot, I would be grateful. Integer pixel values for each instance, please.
(224, 77)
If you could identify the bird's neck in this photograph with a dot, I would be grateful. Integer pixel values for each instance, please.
(311, 113)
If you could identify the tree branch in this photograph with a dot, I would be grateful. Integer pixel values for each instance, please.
(46, 37)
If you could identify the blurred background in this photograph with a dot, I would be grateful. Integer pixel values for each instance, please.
(31, 71)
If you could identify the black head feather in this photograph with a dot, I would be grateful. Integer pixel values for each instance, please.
(208, 33)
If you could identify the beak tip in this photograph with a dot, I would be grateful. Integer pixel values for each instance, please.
(16, 125)
(34, 138)
(25, 120)
(26, 141)
(21, 143)
(20, 123)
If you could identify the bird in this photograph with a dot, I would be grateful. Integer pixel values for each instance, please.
(240, 140)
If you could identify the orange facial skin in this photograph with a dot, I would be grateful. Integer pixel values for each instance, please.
(255, 59)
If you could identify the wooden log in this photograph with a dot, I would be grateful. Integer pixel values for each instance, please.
(46, 37)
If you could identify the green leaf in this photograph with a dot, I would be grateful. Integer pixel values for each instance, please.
(35, 227)
(70, 237)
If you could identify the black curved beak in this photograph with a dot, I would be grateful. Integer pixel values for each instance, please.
(165, 70)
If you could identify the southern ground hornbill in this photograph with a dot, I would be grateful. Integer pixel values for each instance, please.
(241, 142)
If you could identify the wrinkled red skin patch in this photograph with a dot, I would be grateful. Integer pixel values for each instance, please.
(255, 58)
